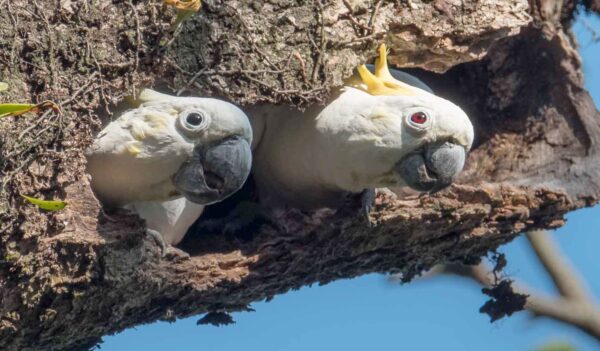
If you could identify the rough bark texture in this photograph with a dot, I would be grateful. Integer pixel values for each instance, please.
(512, 65)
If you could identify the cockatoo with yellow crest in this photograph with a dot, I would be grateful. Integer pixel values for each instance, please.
(378, 132)
(166, 151)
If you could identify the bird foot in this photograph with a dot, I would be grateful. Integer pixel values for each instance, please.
(367, 201)
(157, 237)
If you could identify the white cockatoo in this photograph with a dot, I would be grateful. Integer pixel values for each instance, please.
(166, 151)
(377, 132)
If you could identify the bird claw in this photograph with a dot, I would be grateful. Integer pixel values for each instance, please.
(157, 237)
(367, 201)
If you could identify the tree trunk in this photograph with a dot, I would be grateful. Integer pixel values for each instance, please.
(512, 65)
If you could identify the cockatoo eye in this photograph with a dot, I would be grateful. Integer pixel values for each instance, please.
(193, 121)
(418, 120)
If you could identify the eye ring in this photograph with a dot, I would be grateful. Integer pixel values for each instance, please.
(193, 121)
(418, 120)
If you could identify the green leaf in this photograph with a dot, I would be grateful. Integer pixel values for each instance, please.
(9, 109)
(45, 204)
(557, 346)
(3, 86)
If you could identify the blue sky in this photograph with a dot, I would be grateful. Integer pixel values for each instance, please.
(370, 313)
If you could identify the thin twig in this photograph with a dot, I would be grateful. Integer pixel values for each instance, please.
(321, 47)
(591, 30)
(374, 14)
(564, 276)
(573, 306)
(138, 39)
(80, 90)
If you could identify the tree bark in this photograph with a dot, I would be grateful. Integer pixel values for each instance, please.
(512, 65)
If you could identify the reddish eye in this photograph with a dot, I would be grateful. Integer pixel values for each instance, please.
(418, 118)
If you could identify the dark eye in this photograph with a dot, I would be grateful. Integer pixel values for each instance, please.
(418, 118)
(194, 119)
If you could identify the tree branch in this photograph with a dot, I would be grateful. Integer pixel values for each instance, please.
(565, 278)
(573, 306)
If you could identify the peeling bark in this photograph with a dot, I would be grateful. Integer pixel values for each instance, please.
(513, 67)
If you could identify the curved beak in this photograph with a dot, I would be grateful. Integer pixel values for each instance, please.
(434, 168)
(215, 172)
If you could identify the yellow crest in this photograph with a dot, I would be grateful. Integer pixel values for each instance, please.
(382, 82)
(185, 5)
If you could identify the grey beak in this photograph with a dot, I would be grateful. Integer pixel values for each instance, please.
(434, 168)
(215, 172)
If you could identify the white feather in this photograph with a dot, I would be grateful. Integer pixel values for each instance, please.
(310, 159)
(171, 219)
(133, 159)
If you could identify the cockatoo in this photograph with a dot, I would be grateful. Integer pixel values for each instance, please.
(170, 149)
(378, 132)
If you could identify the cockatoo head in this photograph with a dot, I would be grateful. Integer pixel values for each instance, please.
(221, 137)
(421, 140)
(171, 146)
